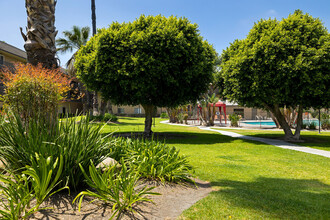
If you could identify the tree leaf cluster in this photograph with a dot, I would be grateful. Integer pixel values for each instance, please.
(279, 63)
(153, 60)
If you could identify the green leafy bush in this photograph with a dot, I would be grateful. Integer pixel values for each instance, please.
(185, 118)
(325, 121)
(104, 118)
(153, 160)
(116, 186)
(312, 125)
(163, 115)
(180, 117)
(234, 119)
(77, 142)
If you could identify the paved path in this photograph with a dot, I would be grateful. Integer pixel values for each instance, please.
(277, 143)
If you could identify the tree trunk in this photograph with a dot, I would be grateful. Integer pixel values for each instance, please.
(40, 33)
(171, 112)
(102, 106)
(148, 109)
(275, 110)
(299, 123)
(95, 104)
(94, 17)
(109, 107)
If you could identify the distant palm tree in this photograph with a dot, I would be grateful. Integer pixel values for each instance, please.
(40, 33)
(74, 40)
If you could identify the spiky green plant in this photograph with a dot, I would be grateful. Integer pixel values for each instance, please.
(77, 142)
(153, 160)
(116, 187)
(45, 174)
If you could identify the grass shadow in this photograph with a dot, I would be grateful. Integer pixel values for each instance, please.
(193, 138)
(279, 198)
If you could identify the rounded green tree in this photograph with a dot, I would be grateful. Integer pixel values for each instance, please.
(280, 63)
(153, 61)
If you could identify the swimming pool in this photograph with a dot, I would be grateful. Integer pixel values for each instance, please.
(272, 123)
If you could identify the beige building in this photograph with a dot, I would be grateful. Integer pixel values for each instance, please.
(10, 54)
(245, 112)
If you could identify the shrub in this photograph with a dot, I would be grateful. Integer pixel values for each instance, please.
(163, 115)
(185, 118)
(325, 121)
(76, 142)
(33, 92)
(234, 119)
(110, 117)
(180, 117)
(104, 118)
(312, 125)
(120, 188)
(153, 160)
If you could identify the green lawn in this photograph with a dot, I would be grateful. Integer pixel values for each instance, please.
(251, 180)
(311, 138)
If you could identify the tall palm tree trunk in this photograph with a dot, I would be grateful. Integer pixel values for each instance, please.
(95, 95)
(40, 32)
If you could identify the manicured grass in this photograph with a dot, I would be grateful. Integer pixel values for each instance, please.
(311, 138)
(251, 180)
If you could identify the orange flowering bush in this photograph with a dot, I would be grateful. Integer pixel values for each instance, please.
(34, 92)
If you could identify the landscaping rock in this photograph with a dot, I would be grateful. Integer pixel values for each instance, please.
(107, 162)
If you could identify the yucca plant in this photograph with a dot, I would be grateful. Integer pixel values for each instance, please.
(115, 186)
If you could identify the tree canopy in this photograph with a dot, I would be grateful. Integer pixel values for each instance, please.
(280, 63)
(153, 61)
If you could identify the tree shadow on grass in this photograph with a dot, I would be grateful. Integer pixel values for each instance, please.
(279, 198)
(193, 138)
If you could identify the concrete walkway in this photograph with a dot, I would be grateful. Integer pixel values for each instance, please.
(277, 143)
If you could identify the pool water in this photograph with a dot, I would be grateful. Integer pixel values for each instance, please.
(271, 123)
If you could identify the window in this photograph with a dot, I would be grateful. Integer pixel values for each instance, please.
(137, 110)
(121, 110)
(239, 111)
(2, 59)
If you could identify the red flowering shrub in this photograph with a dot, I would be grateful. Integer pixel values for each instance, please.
(34, 92)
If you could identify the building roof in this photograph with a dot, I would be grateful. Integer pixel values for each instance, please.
(12, 50)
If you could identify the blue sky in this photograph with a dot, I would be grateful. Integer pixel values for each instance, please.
(220, 22)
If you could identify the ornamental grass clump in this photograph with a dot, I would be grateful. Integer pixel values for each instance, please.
(153, 160)
(117, 186)
(77, 142)
(18, 189)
